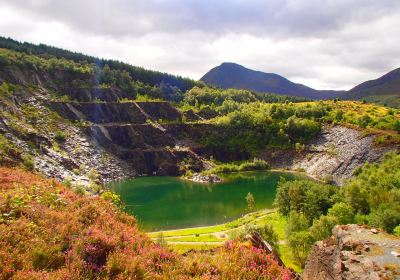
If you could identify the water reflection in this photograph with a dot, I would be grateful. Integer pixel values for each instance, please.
(169, 202)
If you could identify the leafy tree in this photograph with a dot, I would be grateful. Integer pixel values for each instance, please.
(322, 228)
(269, 234)
(300, 244)
(250, 201)
(343, 212)
(386, 216)
(304, 196)
(296, 222)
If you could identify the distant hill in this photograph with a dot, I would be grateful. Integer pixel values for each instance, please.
(384, 90)
(232, 75)
(148, 77)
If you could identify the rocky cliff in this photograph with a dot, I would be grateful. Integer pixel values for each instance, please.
(332, 156)
(355, 252)
(70, 126)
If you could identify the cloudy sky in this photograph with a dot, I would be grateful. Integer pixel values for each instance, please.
(326, 44)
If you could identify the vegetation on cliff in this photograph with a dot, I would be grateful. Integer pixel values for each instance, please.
(247, 125)
(313, 209)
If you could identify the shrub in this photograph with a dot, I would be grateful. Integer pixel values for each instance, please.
(386, 216)
(342, 212)
(60, 136)
(322, 228)
(27, 162)
(300, 244)
(396, 231)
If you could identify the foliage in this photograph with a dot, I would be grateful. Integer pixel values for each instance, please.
(322, 228)
(375, 192)
(396, 231)
(152, 78)
(342, 212)
(304, 196)
(60, 136)
(256, 164)
(298, 237)
(9, 153)
(28, 162)
(48, 232)
(250, 201)
(372, 197)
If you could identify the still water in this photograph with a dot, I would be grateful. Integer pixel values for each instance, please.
(161, 203)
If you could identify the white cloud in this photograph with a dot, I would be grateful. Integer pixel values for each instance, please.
(331, 44)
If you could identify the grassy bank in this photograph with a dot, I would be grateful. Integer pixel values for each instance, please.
(205, 238)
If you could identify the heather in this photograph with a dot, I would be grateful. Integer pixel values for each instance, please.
(49, 232)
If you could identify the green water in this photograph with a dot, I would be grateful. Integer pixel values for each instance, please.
(161, 203)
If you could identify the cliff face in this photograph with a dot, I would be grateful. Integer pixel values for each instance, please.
(93, 131)
(127, 138)
(355, 252)
(332, 156)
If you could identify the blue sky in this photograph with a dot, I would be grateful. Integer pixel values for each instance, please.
(325, 44)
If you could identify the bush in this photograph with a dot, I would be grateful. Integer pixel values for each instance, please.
(300, 244)
(386, 216)
(28, 163)
(304, 196)
(322, 228)
(60, 136)
(396, 231)
(342, 212)
(256, 164)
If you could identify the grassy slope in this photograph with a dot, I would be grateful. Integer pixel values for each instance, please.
(49, 232)
(183, 240)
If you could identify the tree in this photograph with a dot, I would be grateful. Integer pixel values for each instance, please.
(300, 243)
(269, 234)
(386, 216)
(322, 228)
(250, 201)
(343, 212)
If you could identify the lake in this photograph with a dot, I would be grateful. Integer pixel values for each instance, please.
(161, 203)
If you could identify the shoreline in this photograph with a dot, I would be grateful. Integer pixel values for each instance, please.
(264, 211)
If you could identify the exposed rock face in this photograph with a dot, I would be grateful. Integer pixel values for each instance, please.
(122, 139)
(335, 153)
(131, 132)
(354, 252)
(114, 112)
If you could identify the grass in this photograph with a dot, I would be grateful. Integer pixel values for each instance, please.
(189, 231)
(212, 229)
(199, 238)
(287, 258)
(207, 234)
(183, 248)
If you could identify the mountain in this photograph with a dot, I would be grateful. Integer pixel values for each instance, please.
(385, 89)
(232, 75)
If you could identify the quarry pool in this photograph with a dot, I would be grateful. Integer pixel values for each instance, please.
(161, 203)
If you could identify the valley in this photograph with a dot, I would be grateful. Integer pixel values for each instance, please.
(104, 151)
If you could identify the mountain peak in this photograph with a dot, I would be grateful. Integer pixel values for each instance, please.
(233, 75)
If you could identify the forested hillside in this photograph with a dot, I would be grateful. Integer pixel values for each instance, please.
(116, 72)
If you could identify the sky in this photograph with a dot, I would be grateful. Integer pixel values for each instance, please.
(325, 44)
